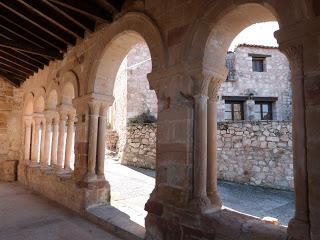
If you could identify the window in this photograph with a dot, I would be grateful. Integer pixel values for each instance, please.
(263, 110)
(234, 110)
(258, 64)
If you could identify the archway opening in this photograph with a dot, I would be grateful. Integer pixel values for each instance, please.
(131, 125)
(254, 137)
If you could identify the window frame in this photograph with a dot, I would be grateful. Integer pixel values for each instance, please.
(270, 109)
(258, 59)
(232, 102)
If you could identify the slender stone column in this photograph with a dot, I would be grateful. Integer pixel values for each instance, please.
(54, 145)
(200, 201)
(94, 108)
(46, 154)
(102, 140)
(27, 139)
(62, 140)
(36, 142)
(70, 130)
(42, 143)
(212, 186)
(298, 227)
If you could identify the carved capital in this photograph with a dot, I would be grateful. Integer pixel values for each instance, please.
(214, 87)
(295, 57)
(63, 116)
(201, 83)
(103, 109)
(94, 107)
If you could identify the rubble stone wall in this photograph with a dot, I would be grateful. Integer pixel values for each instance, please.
(256, 153)
(140, 148)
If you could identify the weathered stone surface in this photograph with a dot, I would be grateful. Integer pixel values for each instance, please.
(140, 148)
(8, 170)
(253, 158)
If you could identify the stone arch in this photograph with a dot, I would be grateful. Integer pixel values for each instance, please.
(211, 37)
(69, 87)
(28, 104)
(118, 39)
(52, 99)
(39, 100)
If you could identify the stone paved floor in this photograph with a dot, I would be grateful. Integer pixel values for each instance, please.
(131, 187)
(27, 216)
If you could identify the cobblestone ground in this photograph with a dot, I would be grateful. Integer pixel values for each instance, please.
(131, 187)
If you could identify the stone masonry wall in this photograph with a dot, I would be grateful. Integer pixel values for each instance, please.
(10, 121)
(275, 81)
(10, 130)
(140, 149)
(256, 153)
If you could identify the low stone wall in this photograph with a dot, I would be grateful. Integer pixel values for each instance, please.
(256, 153)
(140, 148)
(8, 170)
(112, 138)
(63, 188)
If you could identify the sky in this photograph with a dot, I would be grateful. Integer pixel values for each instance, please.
(258, 34)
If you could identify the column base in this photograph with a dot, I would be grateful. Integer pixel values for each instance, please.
(34, 164)
(215, 200)
(298, 230)
(200, 204)
(90, 177)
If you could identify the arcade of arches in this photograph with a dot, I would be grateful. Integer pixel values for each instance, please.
(66, 103)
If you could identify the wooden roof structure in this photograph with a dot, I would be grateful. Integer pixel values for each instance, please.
(34, 32)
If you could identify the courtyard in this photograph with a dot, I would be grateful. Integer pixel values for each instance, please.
(131, 187)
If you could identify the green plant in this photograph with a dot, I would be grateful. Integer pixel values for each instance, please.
(145, 117)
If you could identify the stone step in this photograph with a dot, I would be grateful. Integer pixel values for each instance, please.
(116, 222)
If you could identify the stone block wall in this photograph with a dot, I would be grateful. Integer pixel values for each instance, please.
(256, 153)
(274, 82)
(140, 148)
(112, 140)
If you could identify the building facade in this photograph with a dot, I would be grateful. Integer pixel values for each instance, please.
(257, 87)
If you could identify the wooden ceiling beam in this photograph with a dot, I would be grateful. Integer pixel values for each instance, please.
(53, 17)
(80, 21)
(14, 36)
(14, 80)
(87, 8)
(29, 30)
(25, 13)
(16, 66)
(17, 61)
(47, 53)
(13, 70)
(22, 57)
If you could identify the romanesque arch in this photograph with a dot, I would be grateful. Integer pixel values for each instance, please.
(116, 42)
(206, 49)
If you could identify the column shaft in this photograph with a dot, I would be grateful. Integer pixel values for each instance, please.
(27, 140)
(61, 141)
(36, 143)
(200, 149)
(70, 130)
(42, 143)
(102, 140)
(93, 134)
(46, 154)
(54, 145)
(212, 187)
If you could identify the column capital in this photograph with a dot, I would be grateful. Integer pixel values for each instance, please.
(200, 84)
(27, 120)
(214, 86)
(294, 53)
(104, 108)
(63, 115)
(94, 107)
